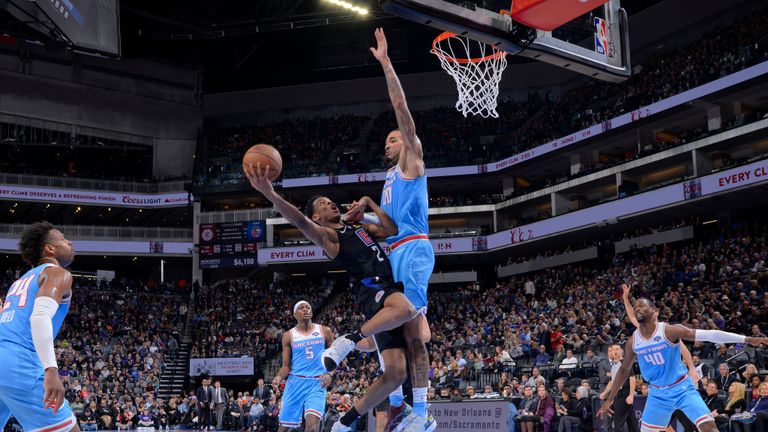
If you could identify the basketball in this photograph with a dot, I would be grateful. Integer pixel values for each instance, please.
(266, 155)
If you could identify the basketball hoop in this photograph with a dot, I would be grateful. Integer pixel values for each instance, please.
(477, 78)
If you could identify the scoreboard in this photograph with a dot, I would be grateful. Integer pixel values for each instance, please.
(231, 244)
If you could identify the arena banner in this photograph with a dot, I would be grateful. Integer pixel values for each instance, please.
(467, 415)
(115, 199)
(106, 247)
(558, 144)
(674, 194)
(278, 255)
(642, 202)
(221, 366)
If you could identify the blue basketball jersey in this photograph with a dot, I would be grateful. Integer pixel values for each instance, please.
(406, 201)
(15, 330)
(660, 360)
(307, 352)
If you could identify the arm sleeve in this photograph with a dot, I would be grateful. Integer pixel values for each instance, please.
(717, 336)
(42, 330)
(371, 218)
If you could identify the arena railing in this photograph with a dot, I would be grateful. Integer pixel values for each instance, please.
(77, 232)
(237, 215)
(91, 184)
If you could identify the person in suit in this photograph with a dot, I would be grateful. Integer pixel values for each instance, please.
(220, 400)
(724, 377)
(262, 392)
(204, 401)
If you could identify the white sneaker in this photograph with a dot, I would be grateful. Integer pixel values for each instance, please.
(338, 427)
(338, 350)
(415, 423)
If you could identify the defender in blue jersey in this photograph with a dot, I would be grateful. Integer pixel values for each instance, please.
(405, 199)
(655, 346)
(304, 394)
(30, 318)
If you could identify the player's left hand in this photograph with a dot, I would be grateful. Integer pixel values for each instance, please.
(605, 409)
(356, 210)
(54, 390)
(259, 178)
(626, 289)
(694, 377)
(630, 400)
(380, 52)
(325, 380)
(756, 341)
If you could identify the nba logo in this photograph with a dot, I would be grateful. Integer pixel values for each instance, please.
(601, 36)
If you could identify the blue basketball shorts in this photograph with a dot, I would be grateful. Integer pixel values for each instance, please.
(21, 394)
(662, 402)
(302, 397)
(412, 264)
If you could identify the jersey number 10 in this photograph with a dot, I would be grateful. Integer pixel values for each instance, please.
(655, 359)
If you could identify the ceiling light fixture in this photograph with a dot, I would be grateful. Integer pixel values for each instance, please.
(349, 6)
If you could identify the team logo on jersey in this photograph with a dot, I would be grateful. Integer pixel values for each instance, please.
(363, 235)
(379, 295)
(316, 334)
(657, 339)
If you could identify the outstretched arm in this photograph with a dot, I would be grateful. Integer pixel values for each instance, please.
(412, 159)
(628, 305)
(323, 237)
(679, 331)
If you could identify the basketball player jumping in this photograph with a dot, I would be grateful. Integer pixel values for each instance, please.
(30, 319)
(303, 368)
(655, 346)
(381, 300)
(404, 198)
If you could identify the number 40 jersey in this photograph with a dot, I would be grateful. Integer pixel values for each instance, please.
(660, 360)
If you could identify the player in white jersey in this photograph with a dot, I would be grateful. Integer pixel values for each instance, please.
(304, 394)
(655, 347)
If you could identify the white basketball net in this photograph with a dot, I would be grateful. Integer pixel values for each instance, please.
(477, 79)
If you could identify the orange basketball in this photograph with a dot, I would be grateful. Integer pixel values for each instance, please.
(267, 156)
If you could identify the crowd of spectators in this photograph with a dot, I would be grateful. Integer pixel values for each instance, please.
(114, 346)
(242, 318)
(450, 139)
(305, 146)
(553, 327)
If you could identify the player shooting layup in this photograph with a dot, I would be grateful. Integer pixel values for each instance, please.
(405, 200)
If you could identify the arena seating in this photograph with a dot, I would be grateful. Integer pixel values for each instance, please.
(493, 337)
(114, 346)
(240, 318)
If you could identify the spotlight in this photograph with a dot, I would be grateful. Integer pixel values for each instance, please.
(349, 6)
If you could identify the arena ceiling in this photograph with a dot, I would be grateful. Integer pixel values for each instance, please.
(245, 44)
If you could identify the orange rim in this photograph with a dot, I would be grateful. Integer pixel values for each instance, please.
(440, 53)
